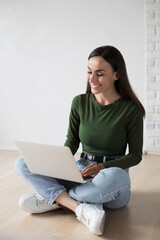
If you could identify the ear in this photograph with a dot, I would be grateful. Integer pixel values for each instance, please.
(116, 74)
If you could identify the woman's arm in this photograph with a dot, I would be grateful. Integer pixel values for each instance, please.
(134, 132)
(73, 140)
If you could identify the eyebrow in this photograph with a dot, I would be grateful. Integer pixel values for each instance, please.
(98, 70)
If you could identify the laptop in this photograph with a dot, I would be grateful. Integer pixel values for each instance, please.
(48, 160)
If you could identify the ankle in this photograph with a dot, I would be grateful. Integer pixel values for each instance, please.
(77, 203)
(65, 200)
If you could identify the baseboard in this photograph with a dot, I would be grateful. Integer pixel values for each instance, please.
(151, 153)
(8, 148)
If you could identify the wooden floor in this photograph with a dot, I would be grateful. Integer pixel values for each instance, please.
(139, 220)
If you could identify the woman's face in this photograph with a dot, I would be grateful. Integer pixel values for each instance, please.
(100, 76)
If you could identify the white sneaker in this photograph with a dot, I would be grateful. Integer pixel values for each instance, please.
(93, 216)
(34, 203)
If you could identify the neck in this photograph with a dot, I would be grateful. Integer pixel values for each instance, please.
(104, 99)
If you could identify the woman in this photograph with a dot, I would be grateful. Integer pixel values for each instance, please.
(105, 119)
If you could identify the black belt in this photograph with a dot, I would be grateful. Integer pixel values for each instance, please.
(99, 159)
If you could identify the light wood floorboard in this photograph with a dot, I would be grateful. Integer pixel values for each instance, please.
(140, 220)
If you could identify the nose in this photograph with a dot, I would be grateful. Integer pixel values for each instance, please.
(92, 78)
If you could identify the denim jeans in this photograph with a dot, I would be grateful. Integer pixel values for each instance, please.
(111, 186)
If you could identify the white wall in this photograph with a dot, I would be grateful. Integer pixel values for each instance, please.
(44, 45)
(152, 127)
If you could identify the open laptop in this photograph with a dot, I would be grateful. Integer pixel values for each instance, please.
(48, 160)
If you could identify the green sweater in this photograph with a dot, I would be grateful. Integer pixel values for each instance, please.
(106, 130)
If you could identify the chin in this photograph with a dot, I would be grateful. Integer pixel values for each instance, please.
(94, 91)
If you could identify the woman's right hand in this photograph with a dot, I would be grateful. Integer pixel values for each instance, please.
(92, 170)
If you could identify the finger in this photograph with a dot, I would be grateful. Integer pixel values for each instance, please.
(90, 171)
(94, 175)
(87, 168)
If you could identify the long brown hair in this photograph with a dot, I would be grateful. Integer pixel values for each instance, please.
(122, 85)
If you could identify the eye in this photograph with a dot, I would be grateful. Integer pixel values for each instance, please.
(89, 72)
(99, 75)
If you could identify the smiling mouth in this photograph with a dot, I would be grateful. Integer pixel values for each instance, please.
(95, 86)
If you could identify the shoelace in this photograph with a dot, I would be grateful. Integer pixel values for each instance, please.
(40, 201)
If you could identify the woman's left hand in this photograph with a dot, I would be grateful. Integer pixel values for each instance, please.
(92, 170)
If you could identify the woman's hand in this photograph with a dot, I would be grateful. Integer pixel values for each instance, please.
(92, 170)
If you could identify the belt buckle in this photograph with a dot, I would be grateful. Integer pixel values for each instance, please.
(104, 159)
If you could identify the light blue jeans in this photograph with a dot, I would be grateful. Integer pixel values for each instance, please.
(111, 186)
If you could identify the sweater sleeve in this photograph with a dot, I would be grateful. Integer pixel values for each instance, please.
(73, 140)
(134, 133)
